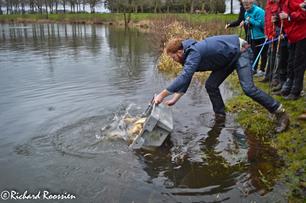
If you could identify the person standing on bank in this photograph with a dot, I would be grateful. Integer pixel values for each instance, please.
(239, 20)
(221, 55)
(294, 18)
(276, 71)
(254, 19)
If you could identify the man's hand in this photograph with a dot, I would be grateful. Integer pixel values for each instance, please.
(160, 97)
(174, 99)
(283, 15)
(274, 19)
(241, 24)
(303, 6)
(247, 20)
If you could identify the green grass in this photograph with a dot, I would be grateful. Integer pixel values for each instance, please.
(290, 144)
(114, 17)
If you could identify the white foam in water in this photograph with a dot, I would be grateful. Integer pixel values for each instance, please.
(117, 128)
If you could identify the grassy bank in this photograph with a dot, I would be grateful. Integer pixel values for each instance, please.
(113, 18)
(290, 144)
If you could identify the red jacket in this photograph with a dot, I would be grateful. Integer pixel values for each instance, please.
(272, 9)
(295, 28)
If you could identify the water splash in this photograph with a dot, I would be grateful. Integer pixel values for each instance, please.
(124, 125)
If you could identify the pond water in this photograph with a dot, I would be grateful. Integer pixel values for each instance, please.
(61, 84)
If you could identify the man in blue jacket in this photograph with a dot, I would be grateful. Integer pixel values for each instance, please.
(221, 55)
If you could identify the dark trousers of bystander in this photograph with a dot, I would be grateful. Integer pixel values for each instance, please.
(295, 69)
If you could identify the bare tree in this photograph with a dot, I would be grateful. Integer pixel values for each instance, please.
(72, 5)
(1, 4)
(64, 3)
(93, 4)
(124, 6)
(192, 2)
(157, 5)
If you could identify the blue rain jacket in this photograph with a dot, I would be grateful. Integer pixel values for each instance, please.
(213, 53)
(257, 21)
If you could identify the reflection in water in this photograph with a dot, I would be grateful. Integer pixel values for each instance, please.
(129, 64)
(186, 173)
(49, 38)
(202, 169)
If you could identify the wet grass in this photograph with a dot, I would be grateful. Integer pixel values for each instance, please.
(290, 144)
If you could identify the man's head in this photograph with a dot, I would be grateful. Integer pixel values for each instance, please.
(247, 4)
(174, 49)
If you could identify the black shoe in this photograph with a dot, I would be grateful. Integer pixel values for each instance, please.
(285, 93)
(274, 83)
(219, 117)
(265, 80)
(292, 97)
(279, 93)
(282, 120)
(278, 87)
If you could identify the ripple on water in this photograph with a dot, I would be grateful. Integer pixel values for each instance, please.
(88, 137)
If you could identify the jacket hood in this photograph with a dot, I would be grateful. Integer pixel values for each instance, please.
(187, 43)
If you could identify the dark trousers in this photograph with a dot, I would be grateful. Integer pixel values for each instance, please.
(243, 67)
(263, 55)
(296, 68)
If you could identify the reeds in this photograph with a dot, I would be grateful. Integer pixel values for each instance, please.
(178, 29)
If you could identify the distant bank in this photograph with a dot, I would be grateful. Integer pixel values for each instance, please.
(138, 19)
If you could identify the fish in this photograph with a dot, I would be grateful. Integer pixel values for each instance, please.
(126, 127)
(135, 128)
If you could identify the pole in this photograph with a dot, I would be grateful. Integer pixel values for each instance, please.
(263, 46)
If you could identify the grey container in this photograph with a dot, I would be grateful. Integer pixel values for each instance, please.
(157, 127)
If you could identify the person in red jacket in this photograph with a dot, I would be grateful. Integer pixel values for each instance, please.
(275, 74)
(294, 18)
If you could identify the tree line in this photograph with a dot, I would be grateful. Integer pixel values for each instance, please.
(47, 6)
(114, 6)
(166, 6)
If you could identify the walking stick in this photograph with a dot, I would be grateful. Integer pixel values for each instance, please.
(271, 62)
(277, 55)
(263, 46)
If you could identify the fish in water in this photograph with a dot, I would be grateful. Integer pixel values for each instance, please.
(126, 128)
(136, 126)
